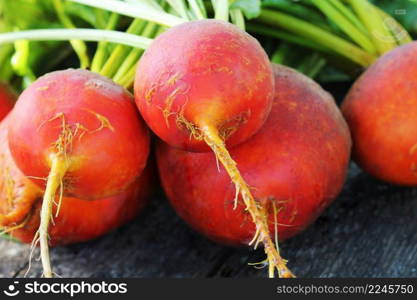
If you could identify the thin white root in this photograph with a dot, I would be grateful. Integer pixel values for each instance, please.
(35, 241)
(58, 169)
(257, 212)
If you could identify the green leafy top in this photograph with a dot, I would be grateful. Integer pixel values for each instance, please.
(250, 8)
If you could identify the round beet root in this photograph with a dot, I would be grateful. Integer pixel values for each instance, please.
(204, 73)
(81, 132)
(381, 110)
(295, 165)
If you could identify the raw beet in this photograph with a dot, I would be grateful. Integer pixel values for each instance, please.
(89, 121)
(381, 110)
(76, 134)
(78, 220)
(204, 73)
(7, 100)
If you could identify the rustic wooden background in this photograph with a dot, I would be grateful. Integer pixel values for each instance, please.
(369, 231)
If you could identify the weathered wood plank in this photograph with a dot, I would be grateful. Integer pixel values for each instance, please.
(370, 231)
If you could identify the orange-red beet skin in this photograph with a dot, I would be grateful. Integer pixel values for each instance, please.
(381, 110)
(298, 160)
(205, 71)
(78, 220)
(7, 99)
(110, 142)
(17, 193)
(82, 220)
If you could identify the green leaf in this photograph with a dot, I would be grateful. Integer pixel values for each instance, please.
(6, 70)
(20, 60)
(23, 14)
(8, 237)
(85, 13)
(250, 8)
(302, 9)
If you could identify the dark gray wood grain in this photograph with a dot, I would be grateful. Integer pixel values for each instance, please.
(369, 231)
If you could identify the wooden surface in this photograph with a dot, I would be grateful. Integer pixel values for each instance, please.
(369, 231)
